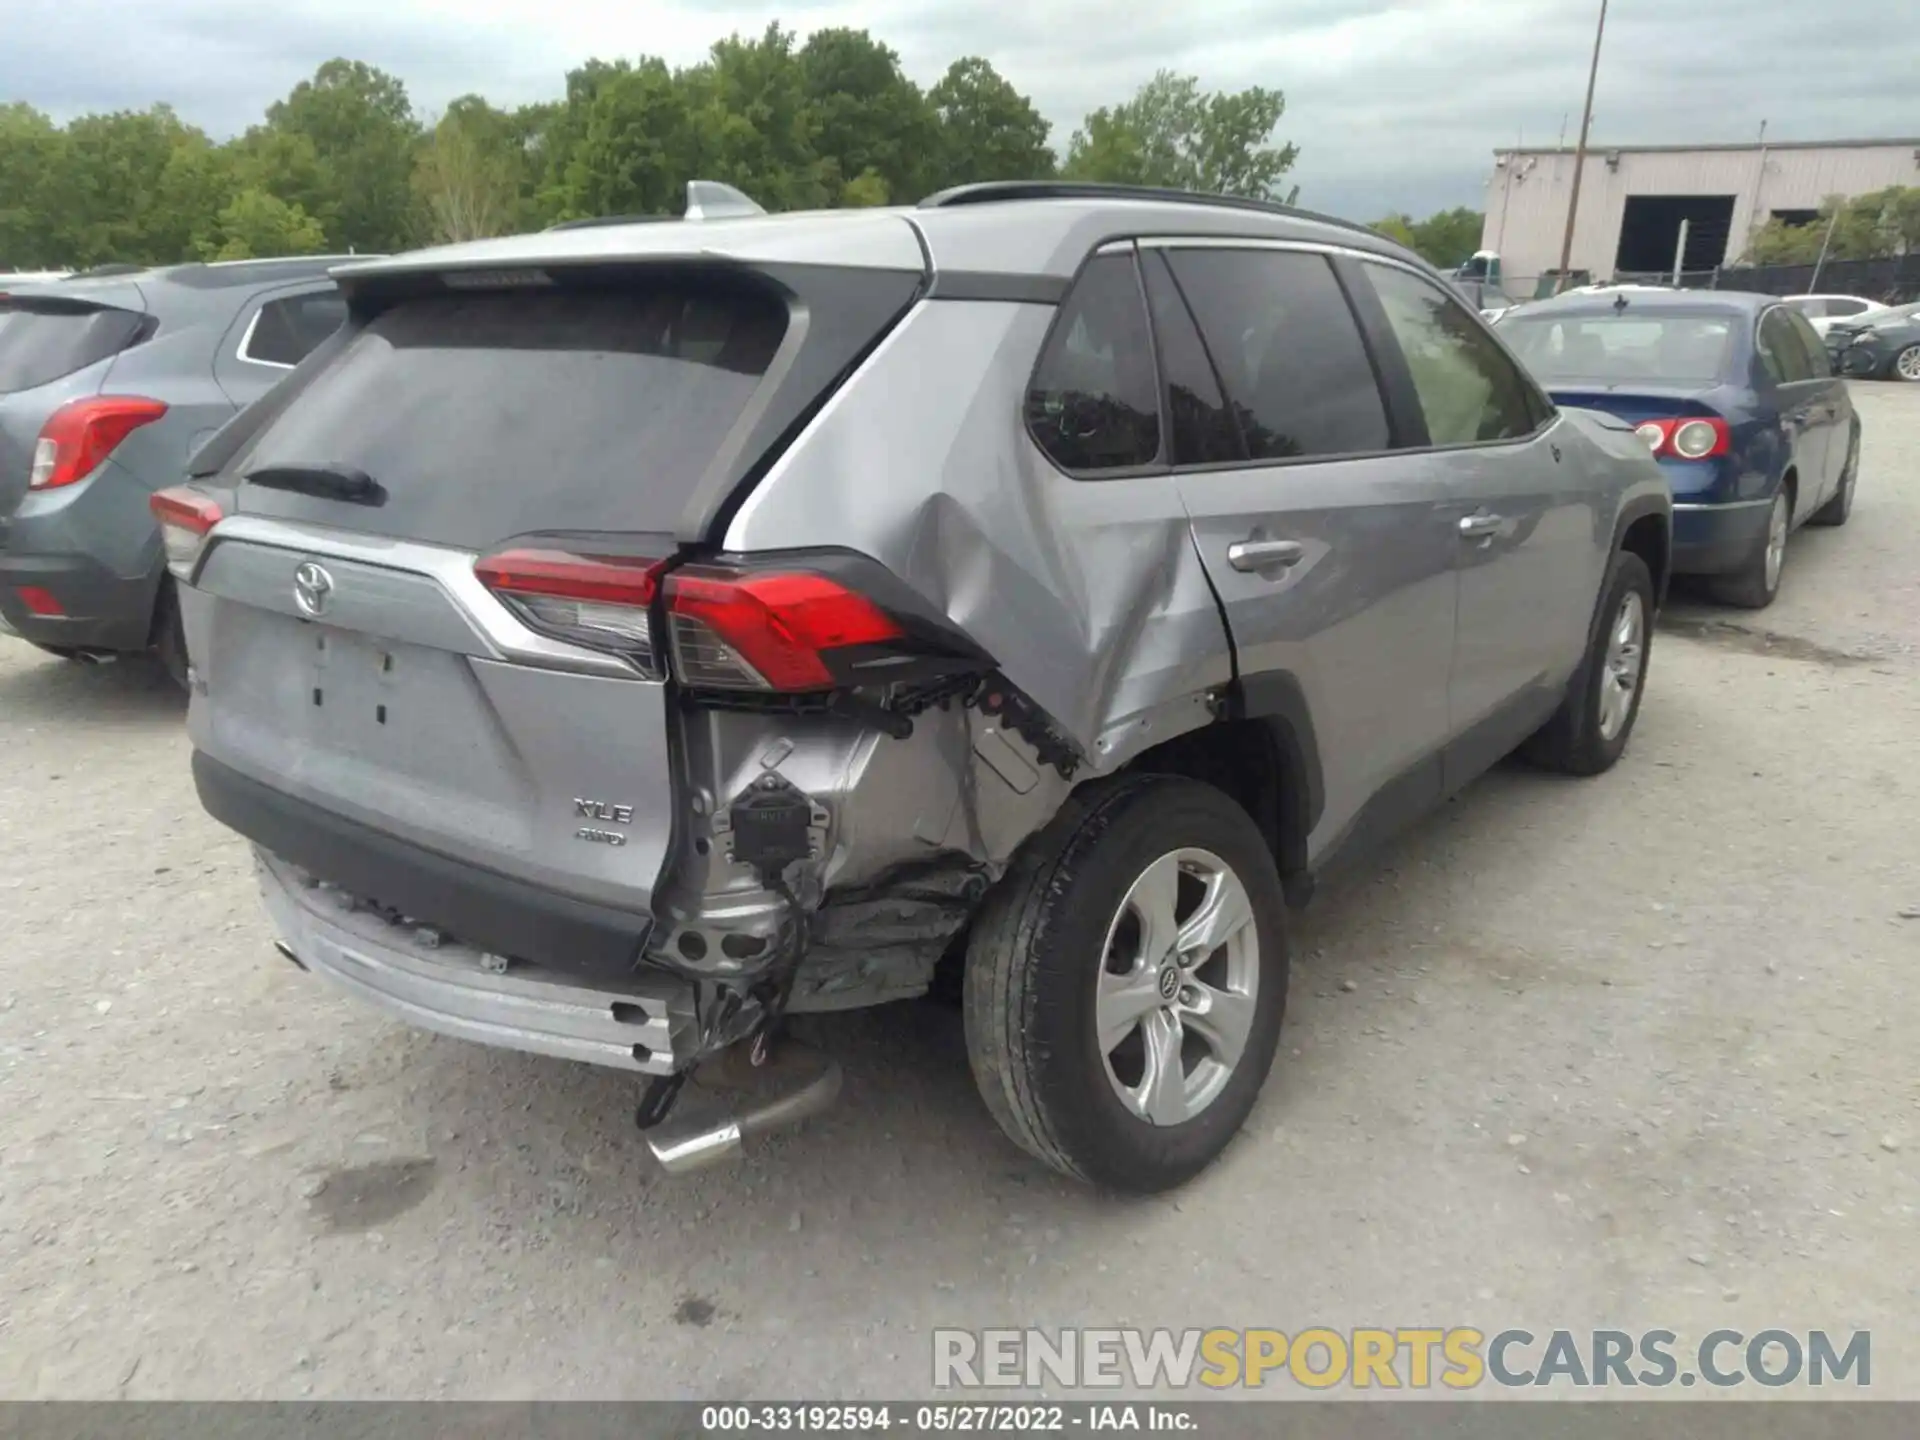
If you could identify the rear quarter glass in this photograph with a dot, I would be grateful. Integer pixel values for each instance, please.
(490, 414)
(38, 346)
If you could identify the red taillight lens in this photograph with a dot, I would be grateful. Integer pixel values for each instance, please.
(767, 630)
(185, 517)
(1687, 438)
(79, 436)
(596, 600)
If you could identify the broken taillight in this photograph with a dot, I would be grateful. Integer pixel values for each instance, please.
(185, 516)
(744, 629)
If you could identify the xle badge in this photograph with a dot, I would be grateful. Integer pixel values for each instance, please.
(604, 811)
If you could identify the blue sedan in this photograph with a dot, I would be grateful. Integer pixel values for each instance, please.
(1736, 398)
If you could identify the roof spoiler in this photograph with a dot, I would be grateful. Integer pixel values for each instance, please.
(706, 200)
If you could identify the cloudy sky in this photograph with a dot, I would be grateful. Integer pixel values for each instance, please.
(1396, 104)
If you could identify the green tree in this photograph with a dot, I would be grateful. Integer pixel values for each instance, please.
(864, 117)
(1877, 225)
(472, 174)
(256, 225)
(1176, 135)
(750, 124)
(362, 131)
(624, 142)
(33, 158)
(988, 129)
(1450, 237)
(111, 197)
(1397, 228)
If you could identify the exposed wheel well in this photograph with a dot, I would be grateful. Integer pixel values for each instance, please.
(1647, 537)
(1258, 764)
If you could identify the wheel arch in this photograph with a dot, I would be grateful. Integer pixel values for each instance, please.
(1644, 527)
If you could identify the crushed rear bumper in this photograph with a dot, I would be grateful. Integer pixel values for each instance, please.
(643, 1023)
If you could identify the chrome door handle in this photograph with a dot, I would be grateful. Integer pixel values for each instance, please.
(1247, 555)
(1478, 527)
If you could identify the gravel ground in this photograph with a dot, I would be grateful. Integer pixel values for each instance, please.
(1634, 1052)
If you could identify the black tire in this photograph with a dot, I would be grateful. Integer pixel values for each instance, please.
(1840, 504)
(1756, 584)
(170, 637)
(1575, 741)
(1039, 948)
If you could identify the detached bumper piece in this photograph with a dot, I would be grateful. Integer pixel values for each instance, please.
(731, 1099)
(643, 1023)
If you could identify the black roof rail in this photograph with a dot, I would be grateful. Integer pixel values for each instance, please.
(592, 221)
(989, 191)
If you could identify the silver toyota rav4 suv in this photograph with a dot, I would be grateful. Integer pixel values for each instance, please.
(618, 639)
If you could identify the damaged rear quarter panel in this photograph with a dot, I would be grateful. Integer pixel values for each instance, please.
(1087, 592)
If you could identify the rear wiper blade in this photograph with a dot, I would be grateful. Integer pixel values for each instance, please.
(327, 481)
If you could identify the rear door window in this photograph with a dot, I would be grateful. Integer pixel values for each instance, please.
(289, 329)
(1780, 349)
(39, 346)
(489, 414)
(1811, 345)
(1092, 405)
(1470, 392)
(1204, 430)
(1288, 351)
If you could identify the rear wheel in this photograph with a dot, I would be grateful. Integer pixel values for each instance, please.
(1840, 506)
(1126, 981)
(1755, 584)
(1906, 365)
(1590, 730)
(170, 637)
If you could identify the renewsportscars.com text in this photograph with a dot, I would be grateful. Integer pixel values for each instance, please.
(1418, 1358)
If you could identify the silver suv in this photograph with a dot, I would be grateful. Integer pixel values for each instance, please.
(618, 639)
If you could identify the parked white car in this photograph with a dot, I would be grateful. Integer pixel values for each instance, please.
(1822, 310)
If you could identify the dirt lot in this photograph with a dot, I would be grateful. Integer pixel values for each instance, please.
(1633, 1052)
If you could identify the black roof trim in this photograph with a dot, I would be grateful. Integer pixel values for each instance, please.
(987, 192)
(594, 221)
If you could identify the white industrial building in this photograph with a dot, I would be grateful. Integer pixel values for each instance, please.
(1633, 199)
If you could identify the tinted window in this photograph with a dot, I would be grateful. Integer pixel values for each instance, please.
(1469, 390)
(1092, 404)
(1780, 349)
(1288, 351)
(288, 330)
(40, 346)
(1845, 307)
(1811, 346)
(1203, 430)
(1811, 305)
(1615, 347)
(490, 414)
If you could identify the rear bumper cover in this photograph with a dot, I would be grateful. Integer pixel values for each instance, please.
(103, 611)
(644, 1024)
(1716, 539)
(487, 910)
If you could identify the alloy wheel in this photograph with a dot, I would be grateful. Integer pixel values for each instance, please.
(1625, 660)
(1907, 363)
(1776, 541)
(1179, 977)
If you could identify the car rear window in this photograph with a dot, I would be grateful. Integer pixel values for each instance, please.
(40, 346)
(1625, 347)
(496, 413)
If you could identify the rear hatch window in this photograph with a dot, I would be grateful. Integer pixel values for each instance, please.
(42, 341)
(489, 414)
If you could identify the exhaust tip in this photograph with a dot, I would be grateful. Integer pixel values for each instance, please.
(285, 951)
(797, 1085)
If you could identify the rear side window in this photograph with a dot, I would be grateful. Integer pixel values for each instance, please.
(288, 330)
(1841, 307)
(1091, 405)
(490, 414)
(1780, 349)
(1204, 430)
(1811, 345)
(38, 347)
(1288, 351)
(1470, 392)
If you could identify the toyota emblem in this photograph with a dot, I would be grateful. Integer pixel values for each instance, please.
(312, 588)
